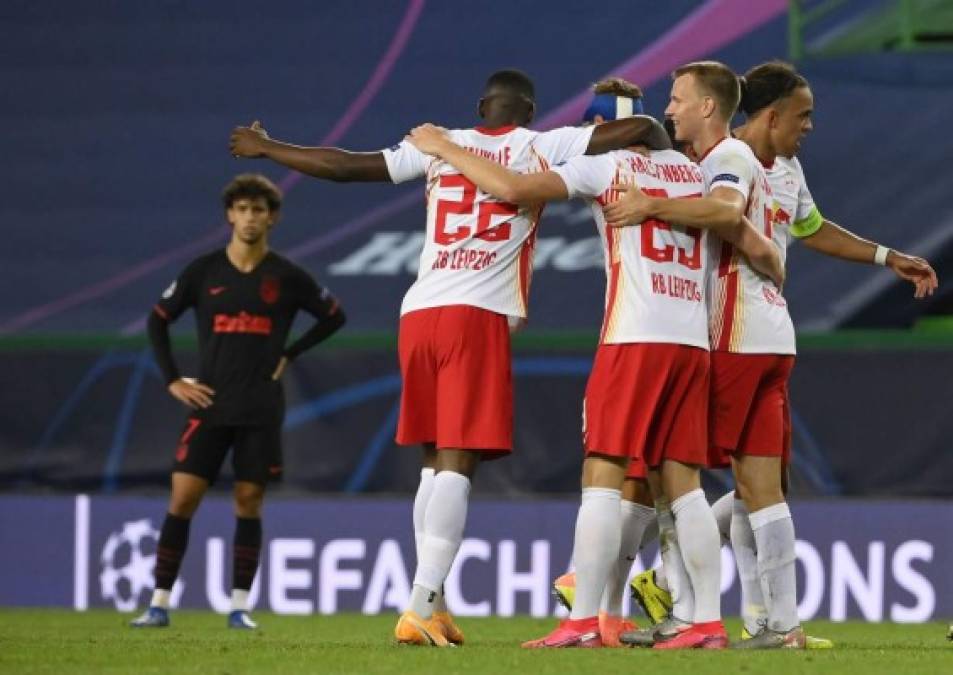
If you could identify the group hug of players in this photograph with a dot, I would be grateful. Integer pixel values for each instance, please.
(691, 371)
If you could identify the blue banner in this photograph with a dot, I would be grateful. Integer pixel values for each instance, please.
(872, 560)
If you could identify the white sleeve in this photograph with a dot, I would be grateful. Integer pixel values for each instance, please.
(558, 145)
(587, 176)
(805, 202)
(729, 168)
(405, 162)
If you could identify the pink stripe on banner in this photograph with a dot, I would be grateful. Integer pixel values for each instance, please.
(351, 115)
(706, 30)
(380, 75)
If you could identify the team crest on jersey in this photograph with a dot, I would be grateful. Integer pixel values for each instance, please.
(269, 290)
(167, 293)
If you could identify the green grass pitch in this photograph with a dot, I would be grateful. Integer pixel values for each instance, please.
(60, 641)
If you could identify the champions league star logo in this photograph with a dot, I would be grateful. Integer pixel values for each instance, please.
(127, 562)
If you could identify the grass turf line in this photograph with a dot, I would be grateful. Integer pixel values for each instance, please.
(61, 641)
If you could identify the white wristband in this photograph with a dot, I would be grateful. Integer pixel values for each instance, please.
(880, 257)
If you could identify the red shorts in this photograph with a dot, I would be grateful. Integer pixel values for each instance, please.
(750, 414)
(648, 402)
(457, 382)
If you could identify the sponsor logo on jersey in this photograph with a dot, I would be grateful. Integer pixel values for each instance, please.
(242, 323)
(215, 290)
(167, 293)
(725, 178)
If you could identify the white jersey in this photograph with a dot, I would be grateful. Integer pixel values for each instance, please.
(747, 313)
(656, 272)
(479, 250)
(795, 214)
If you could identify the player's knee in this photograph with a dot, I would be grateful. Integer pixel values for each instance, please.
(248, 502)
(184, 505)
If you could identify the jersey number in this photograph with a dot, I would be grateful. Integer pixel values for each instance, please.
(464, 207)
(666, 254)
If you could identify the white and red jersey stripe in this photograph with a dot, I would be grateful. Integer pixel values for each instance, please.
(748, 314)
(478, 250)
(656, 271)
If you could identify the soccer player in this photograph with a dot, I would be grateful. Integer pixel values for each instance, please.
(747, 312)
(651, 363)
(245, 298)
(473, 279)
(777, 103)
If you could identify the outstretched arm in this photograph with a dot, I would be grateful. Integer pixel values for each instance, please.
(327, 163)
(618, 134)
(833, 240)
(492, 178)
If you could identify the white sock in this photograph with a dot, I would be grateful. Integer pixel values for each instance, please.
(700, 545)
(444, 520)
(160, 598)
(650, 534)
(421, 499)
(674, 573)
(239, 600)
(722, 509)
(635, 518)
(595, 548)
(754, 613)
(774, 534)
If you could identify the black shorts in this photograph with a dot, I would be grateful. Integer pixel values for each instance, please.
(256, 451)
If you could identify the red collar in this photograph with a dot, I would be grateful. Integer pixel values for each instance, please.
(708, 151)
(498, 131)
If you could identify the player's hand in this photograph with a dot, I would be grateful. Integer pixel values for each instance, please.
(631, 208)
(280, 369)
(915, 270)
(192, 393)
(428, 138)
(248, 141)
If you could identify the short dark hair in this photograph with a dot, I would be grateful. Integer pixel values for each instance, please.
(251, 186)
(512, 81)
(617, 87)
(768, 83)
(718, 80)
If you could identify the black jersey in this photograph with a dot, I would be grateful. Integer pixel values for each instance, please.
(243, 320)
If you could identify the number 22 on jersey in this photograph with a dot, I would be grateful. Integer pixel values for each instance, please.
(465, 207)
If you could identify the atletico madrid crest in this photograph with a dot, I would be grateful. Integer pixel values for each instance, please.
(269, 290)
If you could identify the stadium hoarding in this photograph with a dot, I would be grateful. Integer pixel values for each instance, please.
(871, 560)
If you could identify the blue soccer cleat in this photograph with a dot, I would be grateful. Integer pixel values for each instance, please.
(154, 617)
(240, 619)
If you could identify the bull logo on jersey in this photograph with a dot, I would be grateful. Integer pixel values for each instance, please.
(781, 216)
(270, 290)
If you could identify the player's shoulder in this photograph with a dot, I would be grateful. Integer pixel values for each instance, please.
(287, 267)
(205, 262)
(732, 146)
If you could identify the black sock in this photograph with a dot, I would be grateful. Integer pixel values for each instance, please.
(245, 551)
(173, 540)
